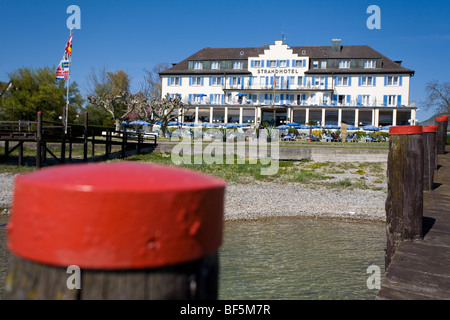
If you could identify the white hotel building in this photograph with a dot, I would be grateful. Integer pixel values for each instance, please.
(333, 84)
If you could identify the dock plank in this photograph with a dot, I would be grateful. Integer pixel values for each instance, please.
(420, 270)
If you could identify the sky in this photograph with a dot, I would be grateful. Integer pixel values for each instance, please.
(135, 35)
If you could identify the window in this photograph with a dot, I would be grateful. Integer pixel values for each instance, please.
(391, 100)
(344, 64)
(234, 81)
(315, 64)
(216, 99)
(215, 65)
(369, 64)
(216, 81)
(323, 64)
(196, 81)
(365, 100)
(298, 63)
(367, 81)
(272, 63)
(283, 63)
(300, 81)
(342, 81)
(174, 81)
(238, 65)
(319, 81)
(257, 64)
(392, 81)
(198, 65)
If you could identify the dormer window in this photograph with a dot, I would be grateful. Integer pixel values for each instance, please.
(198, 65)
(238, 65)
(344, 64)
(369, 64)
(215, 65)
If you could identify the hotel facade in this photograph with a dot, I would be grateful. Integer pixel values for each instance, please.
(280, 84)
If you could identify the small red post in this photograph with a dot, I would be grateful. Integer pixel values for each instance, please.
(404, 201)
(429, 156)
(441, 134)
(130, 217)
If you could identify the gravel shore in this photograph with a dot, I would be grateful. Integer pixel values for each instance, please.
(259, 200)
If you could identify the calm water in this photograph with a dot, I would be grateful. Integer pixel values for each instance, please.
(290, 259)
(300, 259)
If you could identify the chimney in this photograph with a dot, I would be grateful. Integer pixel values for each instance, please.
(336, 45)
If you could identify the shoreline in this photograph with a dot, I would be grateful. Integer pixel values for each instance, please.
(265, 200)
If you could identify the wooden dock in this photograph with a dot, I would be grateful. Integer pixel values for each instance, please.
(420, 270)
(41, 133)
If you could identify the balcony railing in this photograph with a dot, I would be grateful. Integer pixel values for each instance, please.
(278, 86)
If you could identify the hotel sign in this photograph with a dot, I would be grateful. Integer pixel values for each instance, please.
(277, 71)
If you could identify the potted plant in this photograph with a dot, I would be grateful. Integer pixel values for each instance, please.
(269, 133)
(310, 123)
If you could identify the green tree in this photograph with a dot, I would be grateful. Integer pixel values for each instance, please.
(33, 90)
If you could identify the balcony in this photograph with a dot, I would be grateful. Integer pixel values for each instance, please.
(279, 87)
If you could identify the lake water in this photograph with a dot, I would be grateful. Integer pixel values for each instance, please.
(290, 259)
(301, 259)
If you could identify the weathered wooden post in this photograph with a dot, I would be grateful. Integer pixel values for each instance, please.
(85, 137)
(39, 140)
(441, 134)
(132, 230)
(429, 156)
(404, 202)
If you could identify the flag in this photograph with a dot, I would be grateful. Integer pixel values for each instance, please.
(68, 48)
(62, 71)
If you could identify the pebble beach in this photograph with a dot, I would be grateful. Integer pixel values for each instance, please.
(262, 200)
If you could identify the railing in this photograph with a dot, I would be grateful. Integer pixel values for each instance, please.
(278, 86)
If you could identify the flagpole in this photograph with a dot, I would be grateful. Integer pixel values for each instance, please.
(67, 95)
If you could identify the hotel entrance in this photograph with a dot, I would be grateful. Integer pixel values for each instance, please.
(274, 116)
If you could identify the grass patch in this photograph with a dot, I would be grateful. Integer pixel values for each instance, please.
(306, 176)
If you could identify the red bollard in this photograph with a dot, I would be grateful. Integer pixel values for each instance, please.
(157, 226)
(404, 201)
(429, 156)
(441, 134)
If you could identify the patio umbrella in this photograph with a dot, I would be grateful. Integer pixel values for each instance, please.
(283, 127)
(124, 123)
(350, 127)
(370, 128)
(210, 125)
(229, 125)
(201, 95)
(139, 123)
(174, 123)
(240, 94)
(293, 124)
(385, 128)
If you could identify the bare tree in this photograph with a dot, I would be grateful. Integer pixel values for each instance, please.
(166, 110)
(110, 91)
(151, 87)
(438, 96)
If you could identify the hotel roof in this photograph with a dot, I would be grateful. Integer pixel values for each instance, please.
(313, 52)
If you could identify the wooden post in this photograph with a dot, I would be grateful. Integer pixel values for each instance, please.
(6, 149)
(429, 156)
(138, 147)
(404, 202)
(63, 147)
(20, 153)
(441, 134)
(124, 143)
(97, 218)
(107, 143)
(85, 141)
(93, 143)
(39, 140)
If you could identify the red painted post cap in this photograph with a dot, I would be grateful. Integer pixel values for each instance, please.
(116, 215)
(430, 129)
(439, 119)
(444, 118)
(399, 130)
